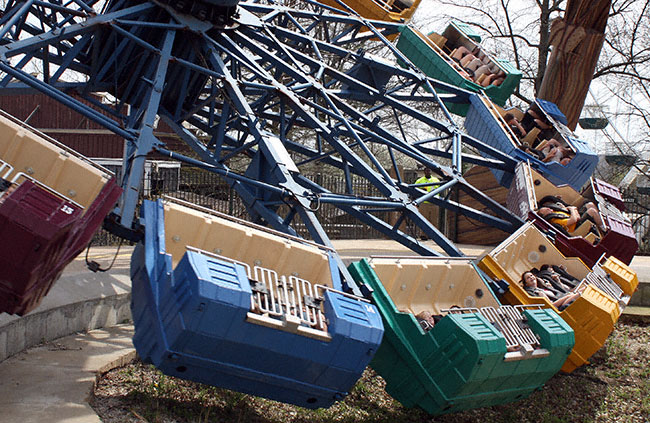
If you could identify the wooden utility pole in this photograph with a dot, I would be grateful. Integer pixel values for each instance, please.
(577, 40)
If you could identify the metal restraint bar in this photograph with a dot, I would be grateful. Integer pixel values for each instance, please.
(512, 324)
(286, 298)
(292, 300)
(608, 209)
(521, 342)
(601, 280)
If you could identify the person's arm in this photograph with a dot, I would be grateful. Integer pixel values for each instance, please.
(575, 216)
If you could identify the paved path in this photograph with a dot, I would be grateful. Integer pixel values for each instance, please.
(79, 301)
(52, 382)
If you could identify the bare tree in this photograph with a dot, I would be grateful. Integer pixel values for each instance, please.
(520, 31)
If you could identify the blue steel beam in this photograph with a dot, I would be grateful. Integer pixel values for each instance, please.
(259, 86)
(136, 151)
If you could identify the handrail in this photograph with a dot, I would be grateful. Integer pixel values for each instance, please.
(18, 175)
(5, 165)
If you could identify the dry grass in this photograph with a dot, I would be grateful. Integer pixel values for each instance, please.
(614, 388)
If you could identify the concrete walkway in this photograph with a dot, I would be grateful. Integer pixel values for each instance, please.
(51, 381)
(79, 301)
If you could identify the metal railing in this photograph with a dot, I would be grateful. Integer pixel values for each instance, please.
(637, 205)
(209, 190)
(286, 297)
(608, 209)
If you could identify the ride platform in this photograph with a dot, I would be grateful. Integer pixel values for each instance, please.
(485, 121)
(587, 241)
(592, 315)
(52, 203)
(224, 302)
(432, 54)
(478, 354)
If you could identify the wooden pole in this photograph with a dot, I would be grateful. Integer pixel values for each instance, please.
(577, 40)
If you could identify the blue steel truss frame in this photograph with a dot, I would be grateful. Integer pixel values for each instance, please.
(278, 90)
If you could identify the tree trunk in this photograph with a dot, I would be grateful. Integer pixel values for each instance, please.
(577, 40)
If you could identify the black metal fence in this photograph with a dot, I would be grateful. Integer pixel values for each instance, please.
(637, 204)
(209, 190)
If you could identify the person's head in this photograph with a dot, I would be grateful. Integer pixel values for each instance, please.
(554, 143)
(551, 272)
(427, 172)
(529, 280)
(427, 316)
(508, 117)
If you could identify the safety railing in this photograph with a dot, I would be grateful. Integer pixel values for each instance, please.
(521, 342)
(287, 298)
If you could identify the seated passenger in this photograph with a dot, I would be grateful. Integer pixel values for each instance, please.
(547, 273)
(459, 53)
(501, 76)
(482, 70)
(556, 154)
(567, 217)
(466, 59)
(532, 119)
(567, 158)
(565, 276)
(6, 188)
(553, 151)
(532, 285)
(513, 123)
(473, 64)
(426, 320)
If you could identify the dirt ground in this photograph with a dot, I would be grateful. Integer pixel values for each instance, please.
(615, 387)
